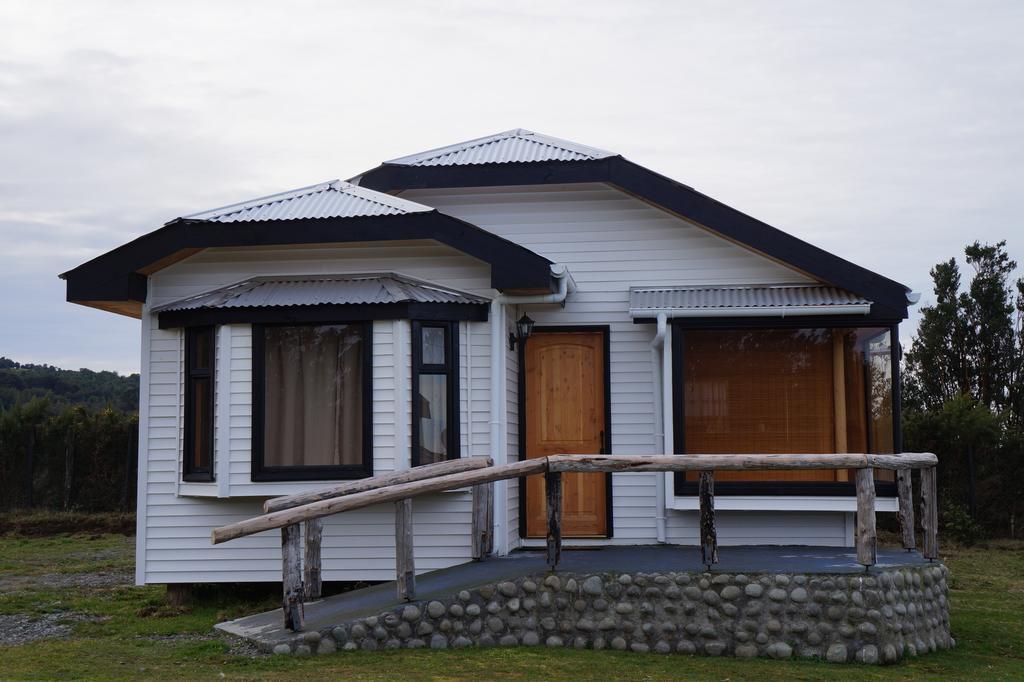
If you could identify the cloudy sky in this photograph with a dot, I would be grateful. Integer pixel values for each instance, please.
(889, 133)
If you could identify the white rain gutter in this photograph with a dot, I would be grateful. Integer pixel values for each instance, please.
(661, 398)
(499, 413)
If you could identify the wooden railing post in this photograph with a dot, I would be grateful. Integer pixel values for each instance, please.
(291, 576)
(930, 512)
(482, 522)
(905, 491)
(866, 537)
(311, 561)
(708, 534)
(553, 497)
(488, 548)
(405, 569)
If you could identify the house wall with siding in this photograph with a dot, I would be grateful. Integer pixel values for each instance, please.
(611, 241)
(176, 517)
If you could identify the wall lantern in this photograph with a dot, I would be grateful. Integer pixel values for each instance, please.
(524, 327)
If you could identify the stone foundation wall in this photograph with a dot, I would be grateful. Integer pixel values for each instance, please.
(870, 618)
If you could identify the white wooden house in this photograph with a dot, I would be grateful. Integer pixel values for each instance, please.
(353, 328)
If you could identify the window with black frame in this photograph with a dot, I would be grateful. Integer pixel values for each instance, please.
(435, 385)
(785, 390)
(199, 378)
(312, 401)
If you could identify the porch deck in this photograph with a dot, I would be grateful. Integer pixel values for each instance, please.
(267, 629)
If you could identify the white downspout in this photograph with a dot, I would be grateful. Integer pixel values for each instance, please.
(499, 443)
(499, 416)
(667, 412)
(657, 350)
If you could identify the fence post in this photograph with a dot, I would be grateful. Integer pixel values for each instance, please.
(405, 565)
(553, 498)
(708, 534)
(311, 561)
(291, 576)
(482, 527)
(905, 491)
(930, 512)
(866, 537)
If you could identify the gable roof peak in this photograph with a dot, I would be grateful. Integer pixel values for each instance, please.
(517, 145)
(330, 199)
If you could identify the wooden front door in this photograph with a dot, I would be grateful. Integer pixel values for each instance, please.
(565, 413)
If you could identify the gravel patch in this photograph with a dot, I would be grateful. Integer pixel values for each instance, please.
(60, 581)
(237, 647)
(21, 628)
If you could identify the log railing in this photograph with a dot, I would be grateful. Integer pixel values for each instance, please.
(286, 513)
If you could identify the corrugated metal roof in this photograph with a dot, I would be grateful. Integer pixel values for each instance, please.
(737, 299)
(511, 146)
(303, 290)
(333, 199)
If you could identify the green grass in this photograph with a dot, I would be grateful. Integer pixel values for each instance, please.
(123, 641)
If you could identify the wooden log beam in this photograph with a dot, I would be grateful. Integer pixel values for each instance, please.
(553, 498)
(482, 521)
(452, 466)
(311, 562)
(368, 498)
(737, 462)
(291, 577)
(489, 523)
(866, 536)
(708, 534)
(905, 515)
(405, 568)
(930, 512)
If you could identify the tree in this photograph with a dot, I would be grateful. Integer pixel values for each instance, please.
(989, 310)
(969, 343)
(936, 364)
(963, 398)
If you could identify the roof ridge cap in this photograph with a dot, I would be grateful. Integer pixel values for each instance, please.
(522, 133)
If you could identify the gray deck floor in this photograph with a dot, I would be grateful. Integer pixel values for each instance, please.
(636, 559)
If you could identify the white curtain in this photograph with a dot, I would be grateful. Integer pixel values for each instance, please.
(433, 418)
(313, 404)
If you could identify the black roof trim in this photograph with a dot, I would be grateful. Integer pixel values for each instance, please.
(889, 297)
(114, 275)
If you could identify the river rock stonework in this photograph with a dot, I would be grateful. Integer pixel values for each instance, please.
(874, 618)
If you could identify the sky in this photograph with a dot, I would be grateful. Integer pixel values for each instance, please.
(889, 133)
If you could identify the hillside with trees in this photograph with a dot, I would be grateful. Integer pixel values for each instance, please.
(67, 438)
(21, 383)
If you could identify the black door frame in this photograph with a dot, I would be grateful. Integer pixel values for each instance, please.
(605, 331)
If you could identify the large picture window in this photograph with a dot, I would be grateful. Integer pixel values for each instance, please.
(815, 390)
(435, 390)
(199, 377)
(312, 407)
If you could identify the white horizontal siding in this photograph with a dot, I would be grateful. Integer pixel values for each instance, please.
(358, 545)
(611, 241)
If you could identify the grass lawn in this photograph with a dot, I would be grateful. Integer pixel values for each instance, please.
(114, 631)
